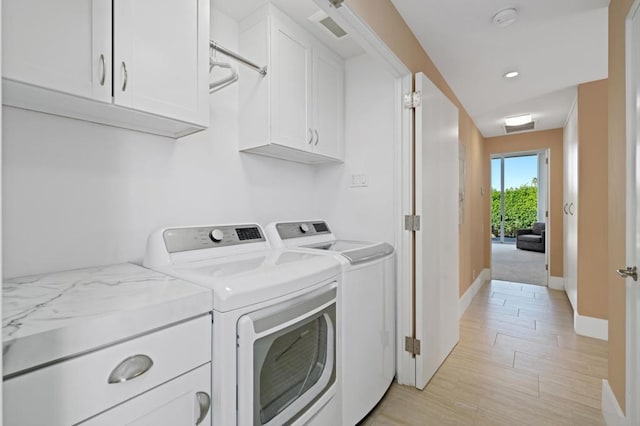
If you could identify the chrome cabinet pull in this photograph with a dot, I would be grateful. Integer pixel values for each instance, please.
(204, 403)
(104, 70)
(317, 137)
(571, 207)
(310, 136)
(629, 271)
(130, 368)
(565, 208)
(126, 76)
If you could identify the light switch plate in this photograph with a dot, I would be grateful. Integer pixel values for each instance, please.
(358, 180)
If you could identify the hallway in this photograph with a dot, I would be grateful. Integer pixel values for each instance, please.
(518, 362)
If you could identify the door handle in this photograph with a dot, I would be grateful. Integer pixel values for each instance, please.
(126, 76)
(103, 68)
(629, 271)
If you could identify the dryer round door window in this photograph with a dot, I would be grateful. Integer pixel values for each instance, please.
(286, 359)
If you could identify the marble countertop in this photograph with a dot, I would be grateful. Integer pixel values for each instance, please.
(51, 317)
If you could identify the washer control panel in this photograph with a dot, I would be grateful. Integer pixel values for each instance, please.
(301, 229)
(203, 237)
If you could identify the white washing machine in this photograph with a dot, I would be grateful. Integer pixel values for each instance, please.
(366, 310)
(274, 354)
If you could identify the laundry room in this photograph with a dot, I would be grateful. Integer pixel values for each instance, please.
(156, 218)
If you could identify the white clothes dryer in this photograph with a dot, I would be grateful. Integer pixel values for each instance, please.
(366, 310)
(274, 322)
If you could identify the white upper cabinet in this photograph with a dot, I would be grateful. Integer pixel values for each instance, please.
(160, 50)
(58, 58)
(296, 111)
(328, 95)
(289, 71)
(59, 45)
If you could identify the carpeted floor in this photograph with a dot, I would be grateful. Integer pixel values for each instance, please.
(521, 266)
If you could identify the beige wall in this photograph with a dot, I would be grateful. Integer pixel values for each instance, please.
(592, 199)
(618, 10)
(545, 139)
(385, 20)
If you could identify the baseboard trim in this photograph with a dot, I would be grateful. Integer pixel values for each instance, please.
(471, 292)
(611, 411)
(591, 327)
(556, 283)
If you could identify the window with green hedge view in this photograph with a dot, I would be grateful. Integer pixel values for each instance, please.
(520, 208)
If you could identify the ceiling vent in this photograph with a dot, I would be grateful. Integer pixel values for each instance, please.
(326, 22)
(520, 128)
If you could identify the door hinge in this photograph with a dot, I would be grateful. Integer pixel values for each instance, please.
(412, 100)
(546, 160)
(412, 345)
(411, 222)
(546, 267)
(336, 3)
(546, 213)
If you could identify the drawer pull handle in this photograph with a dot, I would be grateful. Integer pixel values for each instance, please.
(317, 138)
(130, 368)
(204, 403)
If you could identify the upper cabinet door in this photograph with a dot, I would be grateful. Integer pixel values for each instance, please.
(289, 70)
(63, 45)
(328, 102)
(161, 57)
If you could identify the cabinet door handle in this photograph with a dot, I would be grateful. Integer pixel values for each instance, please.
(204, 403)
(565, 208)
(317, 137)
(126, 76)
(103, 67)
(310, 136)
(570, 209)
(130, 368)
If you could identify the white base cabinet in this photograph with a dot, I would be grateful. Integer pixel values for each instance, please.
(88, 388)
(296, 111)
(178, 402)
(108, 62)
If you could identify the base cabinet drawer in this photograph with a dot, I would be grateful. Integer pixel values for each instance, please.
(185, 400)
(74, 390)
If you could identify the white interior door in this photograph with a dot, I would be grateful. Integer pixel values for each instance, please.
(633, 207)
(437, 275)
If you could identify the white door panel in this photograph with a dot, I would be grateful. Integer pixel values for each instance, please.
(437, 275)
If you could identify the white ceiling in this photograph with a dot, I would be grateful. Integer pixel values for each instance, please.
(297, 10)
(554, 44)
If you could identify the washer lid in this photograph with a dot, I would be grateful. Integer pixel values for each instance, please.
(356, 251)
(250, 278)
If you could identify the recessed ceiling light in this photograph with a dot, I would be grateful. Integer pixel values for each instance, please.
(518, 120)
(511, 74)
(505, 17)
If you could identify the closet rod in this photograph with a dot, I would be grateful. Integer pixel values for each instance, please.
(245, 61)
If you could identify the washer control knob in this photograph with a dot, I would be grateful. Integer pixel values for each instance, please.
(304, 228)
(216, 235)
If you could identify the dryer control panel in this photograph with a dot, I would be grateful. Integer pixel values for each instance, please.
(302, 229)
(203, 237)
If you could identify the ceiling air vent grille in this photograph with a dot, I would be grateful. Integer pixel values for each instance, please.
(333, 27)
(520, 128)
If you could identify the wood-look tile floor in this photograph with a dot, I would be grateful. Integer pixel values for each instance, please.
(518, 362)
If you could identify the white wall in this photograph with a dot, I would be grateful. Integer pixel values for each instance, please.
(363, 213)
(77, 194)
